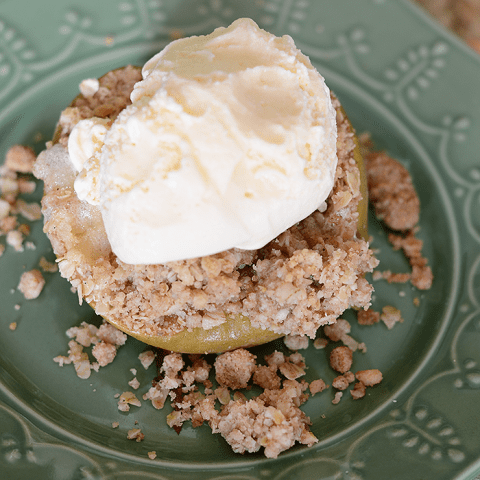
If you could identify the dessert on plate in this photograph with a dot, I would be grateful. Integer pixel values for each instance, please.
(214, 199)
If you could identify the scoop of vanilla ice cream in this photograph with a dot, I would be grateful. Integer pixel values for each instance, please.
(229, 141)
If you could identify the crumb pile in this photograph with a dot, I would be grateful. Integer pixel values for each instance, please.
(215, 393)
(272, 419)
(396, 203)
(307, 277)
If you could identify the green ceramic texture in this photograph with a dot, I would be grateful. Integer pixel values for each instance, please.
(400, 76)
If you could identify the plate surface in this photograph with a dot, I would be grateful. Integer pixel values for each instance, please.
(398, 76)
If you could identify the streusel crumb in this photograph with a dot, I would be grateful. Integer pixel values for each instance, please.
(358, 391)
(393, 195)
(391, 191)
(135, 434)
(337, 398)
(317, 386)
(369, 377)
(31, 284)
(341, 359)
(390, 316)
(20, 158)
(234, 369)
(368, 317)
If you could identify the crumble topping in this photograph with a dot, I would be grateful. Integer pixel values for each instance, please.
(303, 279)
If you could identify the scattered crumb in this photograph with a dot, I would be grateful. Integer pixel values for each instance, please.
(13, 326)
(422, 276)
(340, 383)
(126, 399)
(291, 371)
(31, 284)
(146, 358)
(100, 339)
(104, 353)
(317, 386)
(391, 191)
(30, 246)
(31, 211)
(109, 334)
(135, 434)
(368, 317)
(25, 185)
(115, 424)
(396, 202)
(392, 277)
(339, 332)
(358, 391)
(338, 396)
(15, 239)
(390, 316)
(20, 158)
(134, 383)
(341, 359)
(152, 455)
(416, 301)
(17, 307)
(369, 377)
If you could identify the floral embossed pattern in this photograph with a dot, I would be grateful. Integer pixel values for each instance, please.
(397, 75)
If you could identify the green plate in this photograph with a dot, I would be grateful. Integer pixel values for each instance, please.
(401, 77)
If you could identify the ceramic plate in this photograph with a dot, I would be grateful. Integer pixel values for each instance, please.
(399, 76)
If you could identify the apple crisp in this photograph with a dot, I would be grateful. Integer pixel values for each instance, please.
(303, 279)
